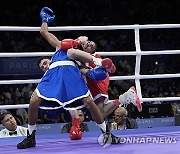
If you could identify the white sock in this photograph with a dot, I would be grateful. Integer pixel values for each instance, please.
(31, 128)
(102, 126)
(123, 98)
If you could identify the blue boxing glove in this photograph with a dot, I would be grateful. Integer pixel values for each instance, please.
(47, 15)
(97, 74)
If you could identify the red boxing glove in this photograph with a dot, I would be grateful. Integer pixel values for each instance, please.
(69, 43)
(75, 133)
(108, 65)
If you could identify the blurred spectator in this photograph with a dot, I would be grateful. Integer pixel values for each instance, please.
(7, 92)
(3, 111)
(84, 128)
(124, 65)
(176, 106)
(7, 101)
(2, 103)
(11, 129)
(17, 93)
(27, 90)
(121, 120)
(51, 112)
(152, 88)
(51, 116)
(113, 92)
(22, 112)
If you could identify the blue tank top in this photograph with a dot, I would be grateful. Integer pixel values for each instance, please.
(59, 55)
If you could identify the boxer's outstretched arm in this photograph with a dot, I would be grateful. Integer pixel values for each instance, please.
(47, 17)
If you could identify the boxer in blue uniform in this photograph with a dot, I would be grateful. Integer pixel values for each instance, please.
(97, 74)
(63, 83)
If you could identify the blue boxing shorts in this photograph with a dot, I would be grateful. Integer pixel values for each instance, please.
(63, 83)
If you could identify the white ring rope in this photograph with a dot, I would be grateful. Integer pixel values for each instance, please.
(138, 53)
(130, 77)
(112, 53)
(111, 27)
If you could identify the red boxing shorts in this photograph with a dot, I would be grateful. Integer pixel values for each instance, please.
(98, 88)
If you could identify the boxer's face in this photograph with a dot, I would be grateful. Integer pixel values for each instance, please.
(44, 64)
(89, 46)
(9, 122)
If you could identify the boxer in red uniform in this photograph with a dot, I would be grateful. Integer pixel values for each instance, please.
(99, 91)
(99, 88)
(99, 85)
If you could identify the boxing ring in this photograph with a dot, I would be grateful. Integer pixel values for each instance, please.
(57, 143)
(61, 143)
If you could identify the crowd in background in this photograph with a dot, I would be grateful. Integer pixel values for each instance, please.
(88, 14)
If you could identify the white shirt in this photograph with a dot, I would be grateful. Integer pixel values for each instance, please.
(21, 131)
